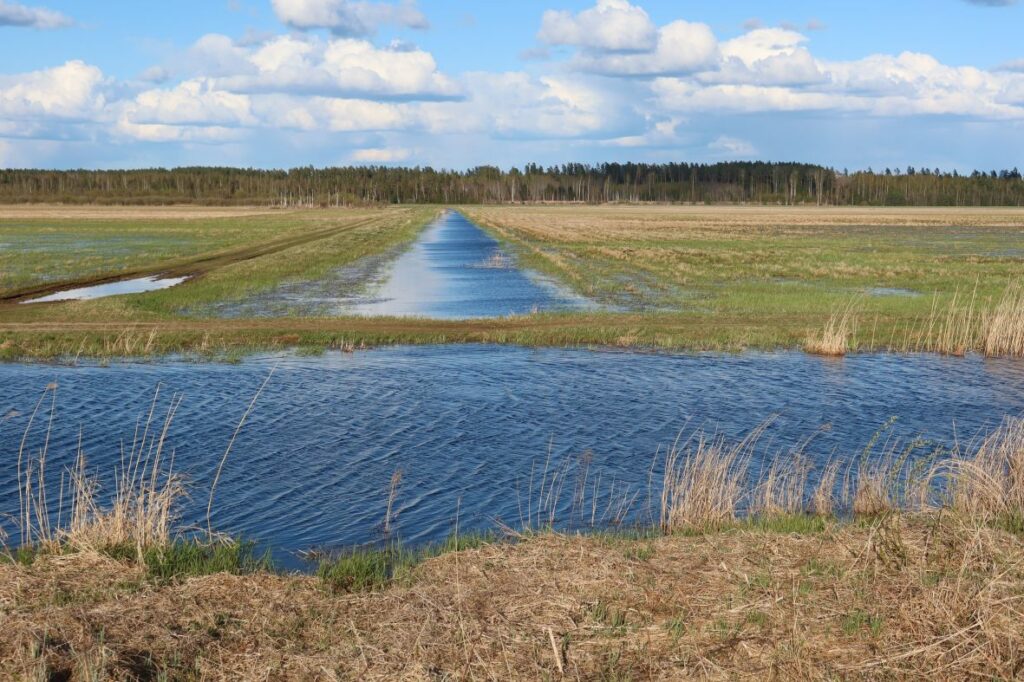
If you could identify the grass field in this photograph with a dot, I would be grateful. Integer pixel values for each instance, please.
(785, 271)
(700, 278)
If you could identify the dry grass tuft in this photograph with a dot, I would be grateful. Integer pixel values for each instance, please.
(705, 481)
(835, 339)
(1003, 327)
(989, 486)
(137, 514)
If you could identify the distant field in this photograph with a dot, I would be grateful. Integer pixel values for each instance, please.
(765, 275)
(684, 277)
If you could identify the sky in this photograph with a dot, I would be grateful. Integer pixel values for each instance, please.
(851, 84)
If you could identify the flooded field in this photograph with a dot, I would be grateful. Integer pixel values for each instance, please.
(454, 270)
(473, 428)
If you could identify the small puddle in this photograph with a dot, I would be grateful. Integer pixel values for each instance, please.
(454, 270)
(139, 285)
(891, 291)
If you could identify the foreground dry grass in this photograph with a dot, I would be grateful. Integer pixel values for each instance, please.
(893, 597)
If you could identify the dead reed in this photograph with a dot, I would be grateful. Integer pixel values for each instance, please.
(705, 481)
(138, 513)
(1002, 331)
(835, 339)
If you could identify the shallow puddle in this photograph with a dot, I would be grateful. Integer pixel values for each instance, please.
(892, 291)
(139, 285)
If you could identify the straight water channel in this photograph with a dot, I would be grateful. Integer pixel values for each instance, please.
(454, 270)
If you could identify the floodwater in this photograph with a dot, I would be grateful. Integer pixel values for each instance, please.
(454, 270)
(472, 427)
(129, 286)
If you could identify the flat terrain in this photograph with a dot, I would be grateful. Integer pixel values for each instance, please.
(680, 277)
(784, 269)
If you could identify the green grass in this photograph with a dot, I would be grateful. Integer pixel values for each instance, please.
(365, 569)
(860, 622)
(190, 558)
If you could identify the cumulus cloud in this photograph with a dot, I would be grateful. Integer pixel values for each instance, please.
(881, 85)
(516, 104)
(307, 65)
(348, 17)
(681, 47)
(767, 56)
(613, 25)
(12, 14)
(193, 102)
(70, 91)
(620, 82)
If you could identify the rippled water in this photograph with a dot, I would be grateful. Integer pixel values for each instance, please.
(468, 425)
(128, 286)
(454, 270)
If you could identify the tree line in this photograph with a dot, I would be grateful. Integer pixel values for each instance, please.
(732, 182)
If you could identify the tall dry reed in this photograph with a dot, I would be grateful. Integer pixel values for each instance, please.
(705, 481)
(836, 338)
(988, 484)
(139, 510)
(1003, 326)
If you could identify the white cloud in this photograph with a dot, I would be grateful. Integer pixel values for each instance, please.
(380, 155)
(12, 14)
(70, 91)
(192, 102)
(348, 17)
(681, 47)
(351, 115)
(623, 83)
(613, 25)
(307, 65)
(159, 132)
(767, 56)
(516, 103)
(661, 134)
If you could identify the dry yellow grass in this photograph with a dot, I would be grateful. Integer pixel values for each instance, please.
(1003, 326)
(835, 338)
(893, 599)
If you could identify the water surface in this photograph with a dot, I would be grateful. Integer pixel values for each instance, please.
(471, 425)
(128, 286)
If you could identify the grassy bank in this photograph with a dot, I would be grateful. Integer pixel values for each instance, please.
(883, 568)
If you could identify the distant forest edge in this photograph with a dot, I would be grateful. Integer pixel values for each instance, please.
(734, 182)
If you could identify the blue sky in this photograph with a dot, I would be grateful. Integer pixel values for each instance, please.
(280, 83)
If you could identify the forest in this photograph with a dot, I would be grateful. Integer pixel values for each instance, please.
(732, 182)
